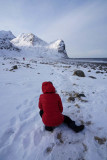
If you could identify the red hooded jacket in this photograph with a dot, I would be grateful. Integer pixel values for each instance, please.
(51, 104)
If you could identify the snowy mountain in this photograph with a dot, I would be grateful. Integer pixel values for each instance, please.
(29, 40)
(38, 47)
(5, 38)
(31, 46)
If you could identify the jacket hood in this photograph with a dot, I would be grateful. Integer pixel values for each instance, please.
(47, 87)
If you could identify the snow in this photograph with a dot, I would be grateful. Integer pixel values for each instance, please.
(22, 133)
(29, 39)
(56, 44)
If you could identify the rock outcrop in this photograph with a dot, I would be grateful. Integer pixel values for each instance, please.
(79, 73)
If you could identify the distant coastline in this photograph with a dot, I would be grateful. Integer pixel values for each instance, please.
(96, 60)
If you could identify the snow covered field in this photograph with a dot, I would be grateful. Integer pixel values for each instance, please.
(22, 134)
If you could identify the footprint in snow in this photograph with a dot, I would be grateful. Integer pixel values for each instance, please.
(26, 101)
(37, 137)
(26, 141)
(18, 107)
(6, 136)
(31, 103)
(24, 115)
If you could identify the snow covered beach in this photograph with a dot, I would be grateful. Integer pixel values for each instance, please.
(22, 133)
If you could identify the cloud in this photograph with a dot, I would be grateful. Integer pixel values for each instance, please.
(83, 29)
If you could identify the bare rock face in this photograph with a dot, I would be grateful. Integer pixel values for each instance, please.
(61, 46)
(5, 38)
(79, 73)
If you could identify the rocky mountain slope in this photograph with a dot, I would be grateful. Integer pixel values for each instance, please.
(5, 38)
(31, 45)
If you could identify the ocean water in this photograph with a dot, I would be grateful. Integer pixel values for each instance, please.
(97, 60)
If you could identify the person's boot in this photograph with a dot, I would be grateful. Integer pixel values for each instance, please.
(74, 127)
(78, 128)
(49, 128)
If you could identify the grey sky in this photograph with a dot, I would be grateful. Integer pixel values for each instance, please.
(82, 24)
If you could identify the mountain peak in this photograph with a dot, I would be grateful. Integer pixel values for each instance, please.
(28, 39)
(59, 45)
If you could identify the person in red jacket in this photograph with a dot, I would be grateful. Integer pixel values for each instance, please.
(51, 109)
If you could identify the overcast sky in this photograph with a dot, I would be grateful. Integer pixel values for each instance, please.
(82, 24)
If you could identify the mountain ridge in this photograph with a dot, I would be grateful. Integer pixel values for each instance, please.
(30, 44)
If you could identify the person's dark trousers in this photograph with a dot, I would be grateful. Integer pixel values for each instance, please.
(46, 127)
(71, 124)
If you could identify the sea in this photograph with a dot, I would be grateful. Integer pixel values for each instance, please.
(96, 60)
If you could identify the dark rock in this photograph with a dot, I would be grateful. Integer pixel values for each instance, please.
(79, 73)
(89, 70)
(85, 66)
(100, 140)
(92, 77)
(48, 149)
(93, 68)
(81, 95)
(59, 137)
(100, 68)
(27, 65)
(76, 105)
(71, 99)
(88, 123)
(15, 67)
(98, 72)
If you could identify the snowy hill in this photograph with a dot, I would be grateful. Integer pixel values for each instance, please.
(5, 38)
